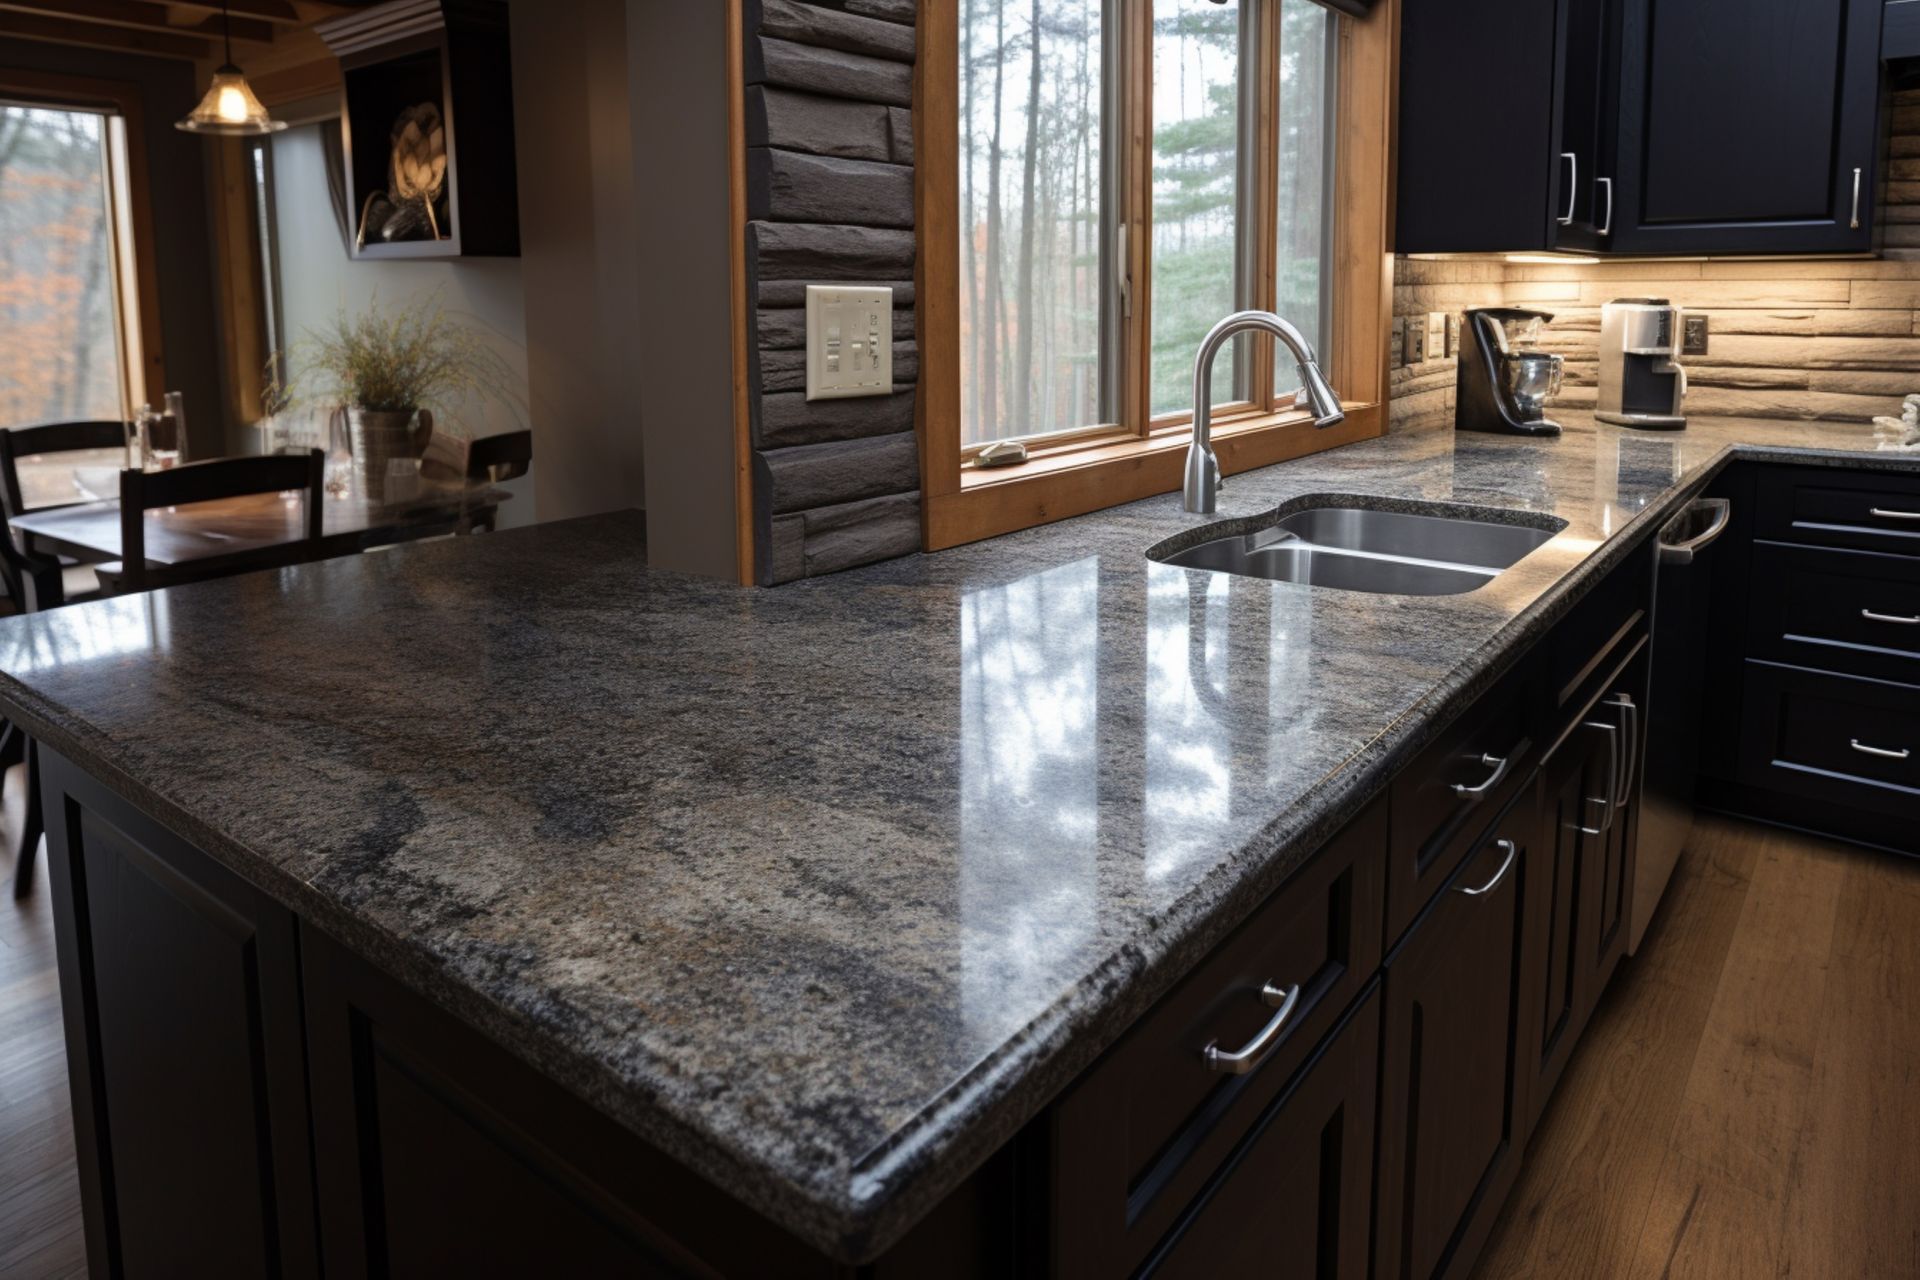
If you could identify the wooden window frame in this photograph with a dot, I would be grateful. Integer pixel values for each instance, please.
(131, 213)
(1074, 473)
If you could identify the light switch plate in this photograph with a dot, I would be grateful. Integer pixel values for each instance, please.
(849, 341)
(1436, 334)
(1398, 343)
(1416, 344)
(1453, 334)
(1693, 334)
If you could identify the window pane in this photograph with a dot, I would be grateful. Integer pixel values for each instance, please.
(1030, 185)
(1305, 167)
(61, 357)
(1196, 161)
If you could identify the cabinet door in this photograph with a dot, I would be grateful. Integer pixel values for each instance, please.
(1294, 1198)
(1450, 1099)
(1585, 96)
(1747, 126)
(1570, 833)
(180, 987)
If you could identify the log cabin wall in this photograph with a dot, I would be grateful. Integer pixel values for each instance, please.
(1818, 339)
(829, 136)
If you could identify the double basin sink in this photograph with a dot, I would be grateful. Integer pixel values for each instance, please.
(1351, 548)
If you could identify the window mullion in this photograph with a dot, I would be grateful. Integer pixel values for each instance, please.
(1137, 200)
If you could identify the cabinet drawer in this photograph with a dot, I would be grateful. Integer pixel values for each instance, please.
(1867, 511)
(1141, 1133)
(1853, 612)
(1295, 1197)
(1835, 738)
(1447, 796)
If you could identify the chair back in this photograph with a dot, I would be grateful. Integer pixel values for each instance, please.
(50, 437)
(494, 459)
(141, 491)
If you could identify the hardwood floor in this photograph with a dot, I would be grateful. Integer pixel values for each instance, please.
(1746, 1101)
(39, 1196)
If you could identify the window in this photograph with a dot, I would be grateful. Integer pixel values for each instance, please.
(64, 270)
(1089, 270)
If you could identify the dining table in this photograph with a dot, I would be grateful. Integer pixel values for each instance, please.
(88, 530)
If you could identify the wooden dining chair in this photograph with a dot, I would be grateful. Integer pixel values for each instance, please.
(142, 491)
(33, 579)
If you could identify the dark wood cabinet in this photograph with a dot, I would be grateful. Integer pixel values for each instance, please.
(179, 985)
(1451, 1105)
(1639, 126)
(1295, 1197)
(1748, 126)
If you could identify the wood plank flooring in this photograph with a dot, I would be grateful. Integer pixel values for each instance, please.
(39, 1196)
(1746, 1101)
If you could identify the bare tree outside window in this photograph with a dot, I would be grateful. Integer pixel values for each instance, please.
(59, 349)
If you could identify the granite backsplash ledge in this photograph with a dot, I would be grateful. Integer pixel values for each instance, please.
(825, 891)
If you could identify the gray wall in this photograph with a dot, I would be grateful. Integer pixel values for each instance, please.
(318, 280)
(579, 254)
(182, 224)
(681, 340)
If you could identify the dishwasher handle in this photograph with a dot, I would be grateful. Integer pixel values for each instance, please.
(1683, 552)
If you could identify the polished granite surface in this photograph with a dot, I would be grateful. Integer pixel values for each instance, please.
(825, 889)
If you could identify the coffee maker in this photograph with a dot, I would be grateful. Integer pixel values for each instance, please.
(1503, 383)
(1641, 384)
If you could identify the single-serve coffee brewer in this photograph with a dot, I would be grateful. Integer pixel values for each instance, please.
(1504, 382)
(1641, 384)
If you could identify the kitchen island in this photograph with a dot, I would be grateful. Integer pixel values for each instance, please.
(824, 893)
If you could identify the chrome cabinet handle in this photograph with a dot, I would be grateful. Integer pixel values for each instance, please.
(1871, 616)
(1573, 186)
(1606, 801)
(1882, 752)
(1683, 552)
(1513, 851)
(1606, 228)
(1855, 223)
(1896, 515)
(1500, 766)
(1255, 1051)
(1630, 726)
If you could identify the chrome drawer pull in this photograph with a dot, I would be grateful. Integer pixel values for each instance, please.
(1608, 801)
(1573, 182)
(1896, 515)
(1882, 752)
(1871, 616)
(1256, 1050)
(1513, 851)
(1499, 764)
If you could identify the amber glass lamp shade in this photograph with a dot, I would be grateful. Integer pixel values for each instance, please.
(230, 108)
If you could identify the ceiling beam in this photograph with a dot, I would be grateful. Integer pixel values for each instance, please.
(143, 16)
(94, 35)
(271, 10)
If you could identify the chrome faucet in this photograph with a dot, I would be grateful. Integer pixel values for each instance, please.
(1203, 469)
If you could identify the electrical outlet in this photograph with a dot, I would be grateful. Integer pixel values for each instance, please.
(1436, 334)
(1416, 345)
(1453, 334)
(849, 341)
(1693, 335)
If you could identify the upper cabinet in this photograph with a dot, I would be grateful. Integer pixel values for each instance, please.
(1679, 127)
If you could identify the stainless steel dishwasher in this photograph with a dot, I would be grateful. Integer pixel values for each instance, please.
(1683, 595)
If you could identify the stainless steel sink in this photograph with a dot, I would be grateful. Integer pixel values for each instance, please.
(1356, 549)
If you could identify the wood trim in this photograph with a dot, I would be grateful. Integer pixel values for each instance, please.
(989, 504)
(124, 98)
(743, 318)
(936, 271)
(242, 286)
(961, 507)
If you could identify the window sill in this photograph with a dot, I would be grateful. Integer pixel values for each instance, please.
(1074, 480)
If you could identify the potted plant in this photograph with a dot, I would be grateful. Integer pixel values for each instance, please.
(389, 370)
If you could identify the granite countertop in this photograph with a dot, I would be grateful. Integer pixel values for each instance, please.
(827, 889)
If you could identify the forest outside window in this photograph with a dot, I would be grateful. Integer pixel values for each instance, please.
(1132, 171)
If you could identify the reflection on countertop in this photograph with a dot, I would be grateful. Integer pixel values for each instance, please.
(824, 889)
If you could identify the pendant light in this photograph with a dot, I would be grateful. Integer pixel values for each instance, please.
(229, 109)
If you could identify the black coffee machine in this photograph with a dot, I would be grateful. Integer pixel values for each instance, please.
(1503, 384)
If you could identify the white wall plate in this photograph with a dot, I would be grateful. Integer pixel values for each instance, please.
(849, 341)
